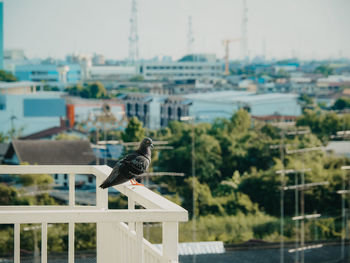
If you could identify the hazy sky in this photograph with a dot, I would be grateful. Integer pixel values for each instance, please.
(305, 28)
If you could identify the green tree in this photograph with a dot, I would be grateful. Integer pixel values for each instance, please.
(134, 132)
(325, 70)
(96, 90)
(341, 104)
(7, 76)
(75, 90)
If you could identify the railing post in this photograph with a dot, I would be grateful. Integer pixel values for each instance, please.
(170, 240)
(106, 234)
(72, 190)
(44, 242)
(71, 245)
(139, 243)
(17, 245)
(101, 194)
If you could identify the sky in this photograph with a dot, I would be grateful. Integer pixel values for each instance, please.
(308, 29)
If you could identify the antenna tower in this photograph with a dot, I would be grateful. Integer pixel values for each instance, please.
(133, 38)
(190, 38)
(244, 42)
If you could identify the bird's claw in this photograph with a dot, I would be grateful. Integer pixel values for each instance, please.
(134, 182)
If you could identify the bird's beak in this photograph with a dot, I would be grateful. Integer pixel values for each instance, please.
(152, 146)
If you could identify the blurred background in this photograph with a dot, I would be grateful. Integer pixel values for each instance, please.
(247, 101)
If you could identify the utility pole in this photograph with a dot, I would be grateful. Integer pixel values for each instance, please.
(193, 156)
(344, 192)
(302, 187)
(281, 147)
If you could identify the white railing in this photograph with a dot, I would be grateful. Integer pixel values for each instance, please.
(119, 235)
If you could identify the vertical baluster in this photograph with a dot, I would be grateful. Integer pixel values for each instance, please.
(139, 243)
(71, 242)
(17, 245)
(131, 206)
(44, 242)
(170, 240)
(72, 190)
(104, 247)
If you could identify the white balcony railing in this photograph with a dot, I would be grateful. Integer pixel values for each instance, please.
(119, 233)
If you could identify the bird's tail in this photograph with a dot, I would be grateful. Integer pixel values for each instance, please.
(105, 185)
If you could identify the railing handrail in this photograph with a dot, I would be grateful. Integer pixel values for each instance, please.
(90, 216)
(139, 194)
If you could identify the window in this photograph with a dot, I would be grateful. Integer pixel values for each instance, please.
(179, 113)
(65, 177)
(90, 179)
(56, 176)
(137, 109)
(128, 109)
(169, 112)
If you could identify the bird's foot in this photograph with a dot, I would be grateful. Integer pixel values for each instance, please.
(134, 182)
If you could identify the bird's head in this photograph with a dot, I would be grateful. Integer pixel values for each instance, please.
(147, 142)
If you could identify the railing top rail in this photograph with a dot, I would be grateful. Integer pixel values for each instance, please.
(139, 194)
(90, 216)
(46, 169)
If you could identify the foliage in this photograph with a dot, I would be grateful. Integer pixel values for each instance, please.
(325, 70)
(306, 101)
(94, 90)
(134, 132)
(3, 137)
(40, 180)
(7, 76)
(324, 124)
(137, 78)
(341, 104)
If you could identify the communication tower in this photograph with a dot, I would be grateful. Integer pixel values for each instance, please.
(133, 38)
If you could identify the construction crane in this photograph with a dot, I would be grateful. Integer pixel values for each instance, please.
(226, 43)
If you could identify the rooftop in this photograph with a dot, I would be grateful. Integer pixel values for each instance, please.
(44, 152)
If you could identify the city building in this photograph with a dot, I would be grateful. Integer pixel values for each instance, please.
(332, 85)
(98, 59)
(140, 105)
(1, 35)
(26, 109)
(50, 74)
(111, 76)
(208, 106)
(173, 108)
(195, 66)
(87, 113)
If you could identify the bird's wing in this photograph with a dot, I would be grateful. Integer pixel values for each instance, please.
(112, 177)
(135, 163)
(141, 163)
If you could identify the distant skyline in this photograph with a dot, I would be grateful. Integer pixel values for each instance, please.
(312, 29)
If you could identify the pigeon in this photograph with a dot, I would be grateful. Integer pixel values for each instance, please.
(131, 166)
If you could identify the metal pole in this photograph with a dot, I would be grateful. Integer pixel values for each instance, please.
(347, 218)
(282, 199)
(296, 221)
(105, 138)
(302, 208)
(343, 219)
(193, 190)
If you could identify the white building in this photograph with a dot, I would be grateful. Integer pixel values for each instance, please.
(189, 67)
(24, 107)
